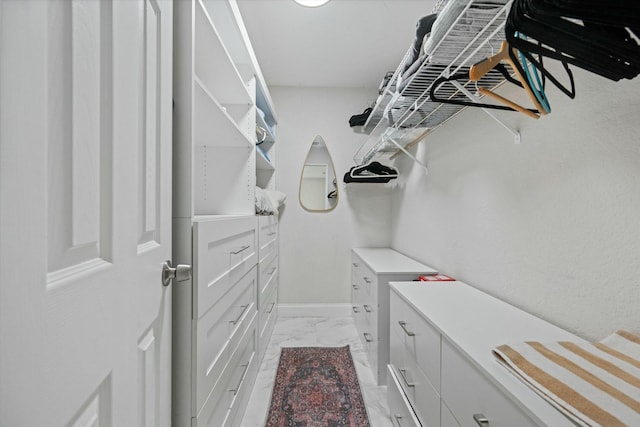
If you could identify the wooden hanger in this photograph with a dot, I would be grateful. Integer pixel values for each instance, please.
(506, 54)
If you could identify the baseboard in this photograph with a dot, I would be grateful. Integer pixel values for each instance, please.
(314, 310)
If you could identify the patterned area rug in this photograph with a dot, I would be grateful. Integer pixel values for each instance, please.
(316, 387)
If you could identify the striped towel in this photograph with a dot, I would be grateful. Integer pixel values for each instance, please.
(594, 384)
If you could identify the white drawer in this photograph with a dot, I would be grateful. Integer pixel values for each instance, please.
(219, 332)
(420, 340)
(236, 381)
(268, 317)
(421, 394)
(399, 407)
(226, 251)
(267, 276)
(267, 235)
(467, 392)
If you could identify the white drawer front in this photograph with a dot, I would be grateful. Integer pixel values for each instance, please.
(224, 251)
(267, 235)
(420, 340)
(467, 392)
(423, 397)
(236, 380)
(399, 407)
(267, 276)
(220, 330)
(268, 317)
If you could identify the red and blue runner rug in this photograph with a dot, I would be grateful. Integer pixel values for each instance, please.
(316, 387)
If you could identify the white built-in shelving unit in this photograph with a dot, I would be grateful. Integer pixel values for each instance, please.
(224, 315)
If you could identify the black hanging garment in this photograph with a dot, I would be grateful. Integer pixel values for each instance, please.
(360, 119)
(371, 172)
(595, 37)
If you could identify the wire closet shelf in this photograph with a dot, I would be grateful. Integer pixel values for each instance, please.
(404, 113)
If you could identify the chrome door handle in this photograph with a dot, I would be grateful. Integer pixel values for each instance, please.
(367, 308)
(246, 368)
(403, 325)
(180, 273)
(481, 420)
(355, 309)
(244, 308)
(367, 280)
(242, 248)
(367, 337)
(403, 374)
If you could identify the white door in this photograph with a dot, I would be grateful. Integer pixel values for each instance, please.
(85, 212)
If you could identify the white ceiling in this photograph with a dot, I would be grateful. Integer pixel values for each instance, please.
(345, 43)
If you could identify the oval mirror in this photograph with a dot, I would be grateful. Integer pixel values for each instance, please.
(318, 188)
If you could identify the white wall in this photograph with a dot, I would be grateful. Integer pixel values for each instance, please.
(315, 248)
(551, 225)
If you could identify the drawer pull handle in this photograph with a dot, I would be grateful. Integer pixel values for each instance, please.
(355, 264)
(244, 373)
(403, 325)
(355, 287)
(367, 280)
(367, 308)
(355, 309)
(272, 271)
(368, 337)
(273, 304)
(273, 233)
(242, 248)
(481, 420)
(403, 374)
(244, 308)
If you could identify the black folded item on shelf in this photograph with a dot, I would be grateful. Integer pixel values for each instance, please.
(374, 172)
(360, 119)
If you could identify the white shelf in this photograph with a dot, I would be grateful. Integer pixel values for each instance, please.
(216, 69)
(212, 125)
(262, 163)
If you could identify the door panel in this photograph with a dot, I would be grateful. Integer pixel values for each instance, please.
(85, 149)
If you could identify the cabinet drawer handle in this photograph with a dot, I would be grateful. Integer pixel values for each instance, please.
(367, 337)
(367, 308)
(355, 309)
(403, 325)
(273, 304)
(354, 286)
(273, 233)
(403, 374)
(355, 264)
(272, 271)
(244, 373)
(242, 249)
(481, 420)
(244, 308)
(367, 280)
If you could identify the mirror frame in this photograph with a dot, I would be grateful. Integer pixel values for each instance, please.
(330, 163)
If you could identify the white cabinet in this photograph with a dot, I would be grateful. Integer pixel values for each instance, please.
(442, 334)
(223, 363)
(222, 315)
(371, 271)
(267, 280)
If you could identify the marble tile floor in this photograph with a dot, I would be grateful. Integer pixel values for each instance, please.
(314, 332)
